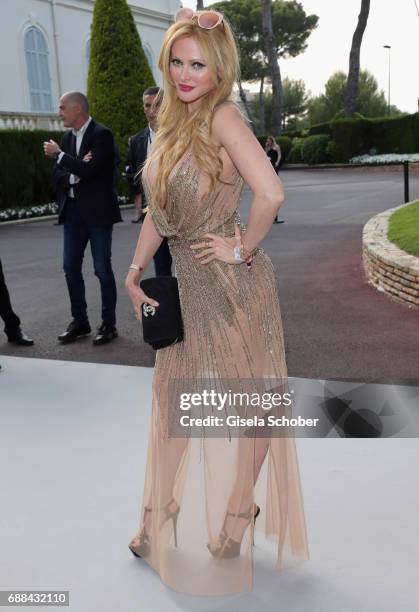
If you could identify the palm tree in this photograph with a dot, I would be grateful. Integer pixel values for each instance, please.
(351, 93)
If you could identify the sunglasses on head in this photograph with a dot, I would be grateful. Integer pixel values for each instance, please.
(205, 19)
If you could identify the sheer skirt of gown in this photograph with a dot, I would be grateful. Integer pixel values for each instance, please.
(232, 330)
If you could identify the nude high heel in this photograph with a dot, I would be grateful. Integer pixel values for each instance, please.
(229, 548)
(171, 515)
(143, 548)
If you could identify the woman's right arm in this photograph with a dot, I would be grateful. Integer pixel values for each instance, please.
(147, 245)
(230, 131)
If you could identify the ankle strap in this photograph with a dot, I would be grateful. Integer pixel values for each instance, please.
(245, 515)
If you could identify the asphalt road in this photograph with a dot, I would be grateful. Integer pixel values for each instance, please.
(336, 325)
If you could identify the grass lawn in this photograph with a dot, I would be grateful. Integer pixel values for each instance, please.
(403, 228)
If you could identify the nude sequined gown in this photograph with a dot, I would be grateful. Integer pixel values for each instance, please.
(232, 330)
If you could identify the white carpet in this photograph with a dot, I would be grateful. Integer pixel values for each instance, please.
(73, 442)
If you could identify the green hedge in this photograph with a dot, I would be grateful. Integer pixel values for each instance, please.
(352, 137)
(320, 128)
(285, 143)
(317, 149)
(295, 155)
(296, 134)
(362, 136)
(25, 172)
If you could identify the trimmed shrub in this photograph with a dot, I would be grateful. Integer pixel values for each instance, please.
(25, 172)
(295, 154)
(395, 135)
(331, 151)
(118, 72)
(285, 144)
(360, 136)
(294, 134)
(320, 128)
(314, 149)
(352, 137)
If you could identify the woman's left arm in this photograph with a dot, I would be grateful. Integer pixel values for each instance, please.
(278, 150)
(230, 130)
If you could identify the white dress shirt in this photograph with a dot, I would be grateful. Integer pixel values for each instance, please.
(79, 138)
(151, 137)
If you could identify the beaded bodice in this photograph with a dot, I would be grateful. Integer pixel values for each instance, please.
(188, 213)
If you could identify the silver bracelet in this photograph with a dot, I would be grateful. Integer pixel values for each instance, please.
(135, 267)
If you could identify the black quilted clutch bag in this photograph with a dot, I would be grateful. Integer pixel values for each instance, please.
(162, 325)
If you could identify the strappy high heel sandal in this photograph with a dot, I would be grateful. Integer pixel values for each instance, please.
(229, 548)
(142, 549)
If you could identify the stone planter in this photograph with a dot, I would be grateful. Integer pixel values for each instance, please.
(387, 267)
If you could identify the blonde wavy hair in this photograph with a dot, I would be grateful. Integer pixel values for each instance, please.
(275, 144)
(178, 129)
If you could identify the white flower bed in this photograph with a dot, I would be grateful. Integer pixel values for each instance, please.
(388, 158)
(42, 210)
(10, 214)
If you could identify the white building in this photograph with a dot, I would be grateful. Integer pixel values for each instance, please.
(45, 46)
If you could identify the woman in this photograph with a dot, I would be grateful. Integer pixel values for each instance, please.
(201, 487)
(273, 151)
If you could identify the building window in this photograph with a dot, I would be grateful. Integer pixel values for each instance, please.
(36, 52)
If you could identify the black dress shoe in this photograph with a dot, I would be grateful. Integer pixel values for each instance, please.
(74, 331)
(105, 334)
(20, 338)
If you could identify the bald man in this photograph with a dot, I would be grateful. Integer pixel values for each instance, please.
(84, 177)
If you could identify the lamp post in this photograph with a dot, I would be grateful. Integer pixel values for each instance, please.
(389, 75)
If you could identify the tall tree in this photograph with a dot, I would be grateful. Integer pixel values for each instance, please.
(275, 71)
(262, 115)
(291, 28)
(351, 92)
(118, 71)
(249, 66)
(371, 102)
(294, 107)
(295, 103)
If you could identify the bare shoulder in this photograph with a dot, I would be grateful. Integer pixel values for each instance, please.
(227, 109)
(228, 130)
(243, 150)
(225, 115)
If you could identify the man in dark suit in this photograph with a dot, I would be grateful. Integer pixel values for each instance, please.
(11, 321)
(138, 150)
(84, 177)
